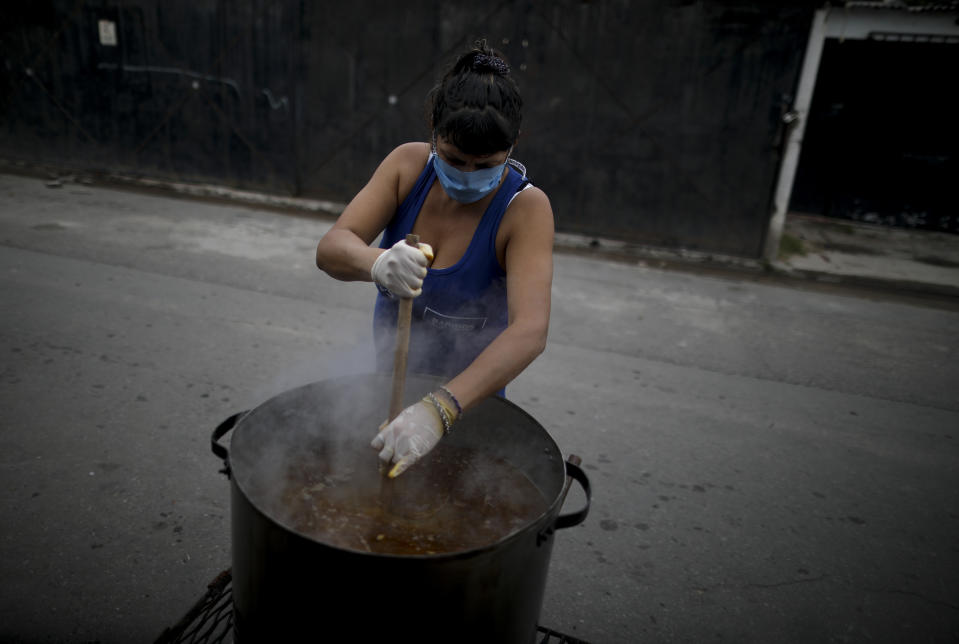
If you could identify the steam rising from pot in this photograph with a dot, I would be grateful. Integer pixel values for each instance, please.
(311, 450)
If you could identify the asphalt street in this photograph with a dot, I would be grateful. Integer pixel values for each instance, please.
(770, 462)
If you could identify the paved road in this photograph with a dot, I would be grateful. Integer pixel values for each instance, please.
(770, 463)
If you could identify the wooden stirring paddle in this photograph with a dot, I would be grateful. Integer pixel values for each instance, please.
(401, 353)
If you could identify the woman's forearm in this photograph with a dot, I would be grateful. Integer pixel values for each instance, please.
(344, 256)
(504, 359)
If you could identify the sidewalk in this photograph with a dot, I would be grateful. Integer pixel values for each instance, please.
(819, 250)
(845, 251)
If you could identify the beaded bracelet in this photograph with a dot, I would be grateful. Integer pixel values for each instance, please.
(459, 410)
(444, 415)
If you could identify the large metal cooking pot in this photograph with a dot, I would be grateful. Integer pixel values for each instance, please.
(289, 586)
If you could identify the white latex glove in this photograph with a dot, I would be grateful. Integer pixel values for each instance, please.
(401, 269)
(412, 434)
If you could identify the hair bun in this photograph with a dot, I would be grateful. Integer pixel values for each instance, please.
(489, 63)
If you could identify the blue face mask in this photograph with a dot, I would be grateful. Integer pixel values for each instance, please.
(467, 187)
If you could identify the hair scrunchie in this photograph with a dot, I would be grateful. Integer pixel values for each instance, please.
(488, 63)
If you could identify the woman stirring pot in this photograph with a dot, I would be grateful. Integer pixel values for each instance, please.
(481, 280)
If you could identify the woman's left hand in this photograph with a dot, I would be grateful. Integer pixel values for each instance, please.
(409, 437)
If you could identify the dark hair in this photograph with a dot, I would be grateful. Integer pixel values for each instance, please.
(477, 106)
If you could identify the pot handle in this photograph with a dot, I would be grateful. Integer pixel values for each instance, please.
(222, 430)
(574, 473)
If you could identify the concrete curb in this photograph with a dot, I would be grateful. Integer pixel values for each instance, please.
(56, 176)
(864, 281)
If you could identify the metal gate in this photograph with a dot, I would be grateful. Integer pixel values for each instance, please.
(647, 122)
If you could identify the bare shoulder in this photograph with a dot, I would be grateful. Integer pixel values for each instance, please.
(531, 197)
(406, 161)
(409, 154)
(412, 152)
(526, 233)
(376, 203)
(530, 211)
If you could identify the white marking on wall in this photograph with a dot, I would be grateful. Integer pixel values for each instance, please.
(274, 102)
(108, 33)
(176, 71)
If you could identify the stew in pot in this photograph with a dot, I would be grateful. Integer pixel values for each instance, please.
(455, 499)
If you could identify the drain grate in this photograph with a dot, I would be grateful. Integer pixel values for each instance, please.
(210, 620)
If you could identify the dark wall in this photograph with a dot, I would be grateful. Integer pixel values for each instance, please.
(192, 91)
(651, 122)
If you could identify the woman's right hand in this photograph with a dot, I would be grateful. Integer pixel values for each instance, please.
(401, 269)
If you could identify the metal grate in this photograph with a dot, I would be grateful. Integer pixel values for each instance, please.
(549, 636)
(210, 620)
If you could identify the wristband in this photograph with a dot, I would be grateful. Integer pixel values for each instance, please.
(384, 291)
(379, 287)
(441, 410)
(459, 409)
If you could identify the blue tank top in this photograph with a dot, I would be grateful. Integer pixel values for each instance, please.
(463, 307)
